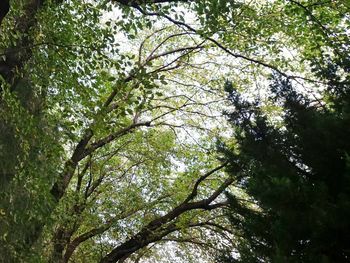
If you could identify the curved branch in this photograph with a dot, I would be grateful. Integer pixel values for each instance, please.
(159, 227)
(102, 142)
(201, 179)
(215, 42)
(138, 3)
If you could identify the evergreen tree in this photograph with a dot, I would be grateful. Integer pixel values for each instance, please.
(298, 173)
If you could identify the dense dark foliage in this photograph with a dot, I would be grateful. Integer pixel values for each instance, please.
(298, 173)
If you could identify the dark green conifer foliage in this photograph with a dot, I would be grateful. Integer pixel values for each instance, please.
(298, 174)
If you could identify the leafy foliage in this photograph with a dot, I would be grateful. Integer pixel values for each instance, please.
(110, 111)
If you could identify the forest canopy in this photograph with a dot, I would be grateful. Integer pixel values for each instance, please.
(174, 131)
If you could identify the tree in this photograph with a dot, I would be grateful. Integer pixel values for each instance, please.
(296, 172)
(94, 133)
(108, 125)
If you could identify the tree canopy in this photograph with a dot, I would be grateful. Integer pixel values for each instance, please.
(297, 175)
(112, 113)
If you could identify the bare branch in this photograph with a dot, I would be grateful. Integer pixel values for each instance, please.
(100, 143)
(169, 52)
(200, 180)
(164, 41)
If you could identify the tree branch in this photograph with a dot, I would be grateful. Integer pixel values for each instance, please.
(137, 3)
(201, 179)
(100, 143)
(158, 228)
